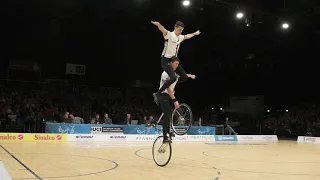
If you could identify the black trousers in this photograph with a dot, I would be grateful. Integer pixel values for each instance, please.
(166, 107)
(166, 66)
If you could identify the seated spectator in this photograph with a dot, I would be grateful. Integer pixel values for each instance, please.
(66, 118)
(145, 121)
(128, 119)
(96, 120)
(152, 120)
(76, 120)
(106, 119)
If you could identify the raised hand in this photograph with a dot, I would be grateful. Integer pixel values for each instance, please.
(197, 33)
(155, 23)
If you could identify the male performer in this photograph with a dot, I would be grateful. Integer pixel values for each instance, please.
(171, 48)
(167, 97)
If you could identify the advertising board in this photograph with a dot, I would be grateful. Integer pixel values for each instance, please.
(308, 139)
(60, 128)
(25, 137)
(184, 138)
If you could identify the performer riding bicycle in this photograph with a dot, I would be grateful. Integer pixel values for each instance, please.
(166, 99)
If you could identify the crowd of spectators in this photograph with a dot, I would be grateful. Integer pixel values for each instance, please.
(28, 105)
(302, 120)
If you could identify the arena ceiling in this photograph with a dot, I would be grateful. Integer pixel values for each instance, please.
(295, 9)
(81, 30)
(216, 18)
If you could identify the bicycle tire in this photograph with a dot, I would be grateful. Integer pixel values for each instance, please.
(176, 111)
(155, 151)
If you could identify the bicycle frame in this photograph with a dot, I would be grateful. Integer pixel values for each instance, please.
(159, 119)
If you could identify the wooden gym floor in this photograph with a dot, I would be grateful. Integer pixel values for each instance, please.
(284, 160)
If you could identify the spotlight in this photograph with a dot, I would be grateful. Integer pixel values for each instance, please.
(285, 25)
(186, 3)
(239, 15)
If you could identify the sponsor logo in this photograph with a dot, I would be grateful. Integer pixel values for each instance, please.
(247, 137)
(66, 130)
(205, 131)
(267, 137)
(140, 131)
(310, 139)
(118, 137)
(10, 137)
(226, 138)
(180, 138)
(96, 130)
(20, 136)
(202, 137)
(32, 137)
(47, 137)
(146, 138)
(83, 137)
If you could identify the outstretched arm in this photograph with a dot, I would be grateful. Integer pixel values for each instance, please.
(160, 27)
(189, 36)
(191, 76)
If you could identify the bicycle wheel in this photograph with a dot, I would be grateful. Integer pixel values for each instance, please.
(161, 152)
(181, 119)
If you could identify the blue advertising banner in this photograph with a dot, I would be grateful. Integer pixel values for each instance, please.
(225, 138)
(58, 128)
(68, 128)
(202, 130)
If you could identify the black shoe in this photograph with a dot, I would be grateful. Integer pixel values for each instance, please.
(155, 98)
(172, 134)
(166, 140)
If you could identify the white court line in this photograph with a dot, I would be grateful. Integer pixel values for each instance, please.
(4, 174)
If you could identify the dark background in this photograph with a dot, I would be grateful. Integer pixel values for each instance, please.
(118, 44)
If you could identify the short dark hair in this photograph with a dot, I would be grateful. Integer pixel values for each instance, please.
(179, 24)
(174, 59)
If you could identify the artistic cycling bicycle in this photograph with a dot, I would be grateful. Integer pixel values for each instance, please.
(181, 121)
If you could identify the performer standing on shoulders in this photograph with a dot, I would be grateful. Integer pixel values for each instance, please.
(170, 50)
